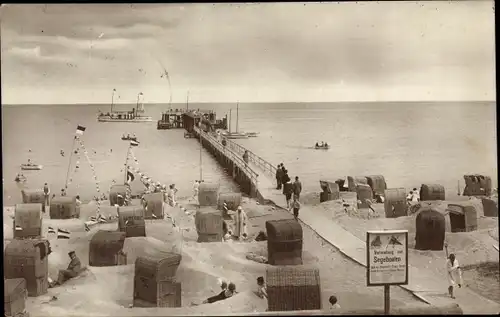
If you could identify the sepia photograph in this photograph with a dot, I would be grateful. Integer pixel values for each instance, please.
(249, 159)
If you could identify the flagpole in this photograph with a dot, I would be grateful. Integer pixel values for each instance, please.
(126, 162)
(69, 164)
(201, 164)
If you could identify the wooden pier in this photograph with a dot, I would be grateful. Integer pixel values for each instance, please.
(232, 162)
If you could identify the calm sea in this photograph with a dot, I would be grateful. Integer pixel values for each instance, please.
(408, 143)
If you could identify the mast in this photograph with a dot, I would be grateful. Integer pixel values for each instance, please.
(187, 101)
(230, 110)
(126, 162)
(237, 115)
(112, 99)
(201, 163)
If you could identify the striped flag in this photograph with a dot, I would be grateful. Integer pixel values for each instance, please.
(18, 228)
(80, 130)
(63, 234)
(154, 216)
(134, 143)
(87, 228)
(51, 230)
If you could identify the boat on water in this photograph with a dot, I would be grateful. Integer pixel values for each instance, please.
(20, 178)
(234, 135)
(237, 134)
(322, 147)
(129, 138)
(31, 167)
(135, 115)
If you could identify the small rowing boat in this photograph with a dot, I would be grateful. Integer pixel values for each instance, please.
(31, 167)
(322, 147)
(129, 138)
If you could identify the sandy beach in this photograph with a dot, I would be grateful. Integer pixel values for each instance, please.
(103, 291)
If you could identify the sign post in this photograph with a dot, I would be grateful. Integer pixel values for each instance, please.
(387, 260)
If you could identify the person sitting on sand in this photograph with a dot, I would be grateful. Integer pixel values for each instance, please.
(73, 270)
(334, 302)
(261, 287)
(229, 292)
(317, 144)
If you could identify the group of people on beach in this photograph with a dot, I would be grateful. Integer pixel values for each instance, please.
(290, 189)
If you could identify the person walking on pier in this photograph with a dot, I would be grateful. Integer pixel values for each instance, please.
(296, 208)
(288, 191)
(46, 193)
(196, 188)
(297, 188)
(279, 177)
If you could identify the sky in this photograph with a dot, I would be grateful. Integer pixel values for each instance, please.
(272, 52)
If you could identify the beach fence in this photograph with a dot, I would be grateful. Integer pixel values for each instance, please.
(27, 221)
(106, 249)
(154, 281)
(28, 259)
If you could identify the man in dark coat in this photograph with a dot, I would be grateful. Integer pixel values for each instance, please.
(73, 270)
(297, 188)
(279, 176)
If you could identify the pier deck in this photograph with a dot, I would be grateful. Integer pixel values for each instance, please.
(423, 284)
(242, 173)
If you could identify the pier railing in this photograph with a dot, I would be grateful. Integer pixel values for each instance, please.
(254, 158)
(235, 157)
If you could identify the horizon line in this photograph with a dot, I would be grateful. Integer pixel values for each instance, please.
(250, 102)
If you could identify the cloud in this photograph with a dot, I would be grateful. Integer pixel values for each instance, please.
(224, 51)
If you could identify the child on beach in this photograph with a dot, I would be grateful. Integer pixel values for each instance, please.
(334, 303)
(262, 288)
(296, 208)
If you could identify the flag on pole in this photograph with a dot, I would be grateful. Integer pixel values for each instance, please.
(80, 130)
(63, 234)
(134, 143)
(51, 230)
